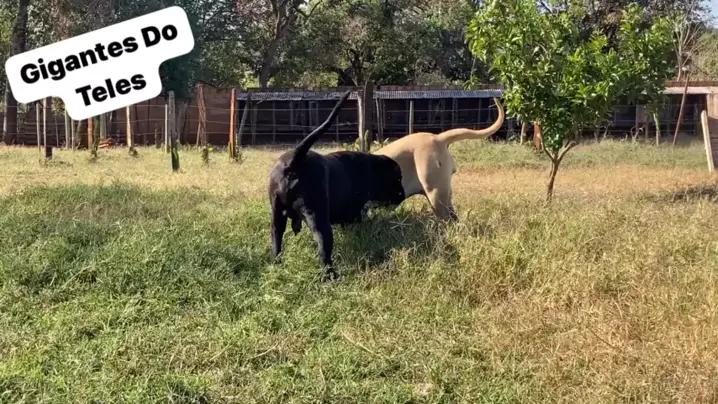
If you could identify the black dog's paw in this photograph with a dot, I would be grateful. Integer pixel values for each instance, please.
(277, 259)
(329, 274)
(296, 226)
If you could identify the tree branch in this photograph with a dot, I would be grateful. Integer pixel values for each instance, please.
(311, 11)
(570, 145)
(546, 6)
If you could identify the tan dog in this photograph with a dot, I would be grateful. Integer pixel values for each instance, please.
(427, 166)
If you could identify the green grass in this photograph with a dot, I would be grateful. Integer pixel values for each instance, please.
(123, 282)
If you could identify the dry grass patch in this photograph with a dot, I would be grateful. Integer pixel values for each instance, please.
(123, 281)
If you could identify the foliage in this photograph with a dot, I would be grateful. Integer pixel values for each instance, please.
(7, 19)
(705, 63)
(321, 43)
(553, 77)
(214, 25)
(558, 79)
(388, 41)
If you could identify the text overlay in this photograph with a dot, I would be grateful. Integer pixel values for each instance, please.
(106, 69)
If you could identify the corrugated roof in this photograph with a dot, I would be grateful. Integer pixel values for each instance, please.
(419, 92)
(383, 95)
(691, 90)
(294, 95)
(431, 94)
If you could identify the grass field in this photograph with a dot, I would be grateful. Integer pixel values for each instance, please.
(121, 281)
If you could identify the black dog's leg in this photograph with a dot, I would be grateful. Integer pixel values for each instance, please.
(296, 224)
(279, 225)
(322, 230)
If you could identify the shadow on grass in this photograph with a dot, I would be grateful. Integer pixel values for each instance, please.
(706, 192)
(372, 243)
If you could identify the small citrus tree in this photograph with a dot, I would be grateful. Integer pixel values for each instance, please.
(561, 79)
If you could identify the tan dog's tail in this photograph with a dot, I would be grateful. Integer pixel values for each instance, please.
(454, 135)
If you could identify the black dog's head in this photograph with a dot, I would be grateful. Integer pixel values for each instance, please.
(386, 182)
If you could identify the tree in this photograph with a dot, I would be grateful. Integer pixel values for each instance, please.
(269, 24)
(7, 20)
(687, 27)
(215, 24)
(19, 35)
(389, 41)
(555, 77)
(705, 65)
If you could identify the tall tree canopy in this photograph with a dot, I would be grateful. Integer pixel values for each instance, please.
(316, 42)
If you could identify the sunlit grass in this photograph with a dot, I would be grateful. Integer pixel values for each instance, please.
(121, 281)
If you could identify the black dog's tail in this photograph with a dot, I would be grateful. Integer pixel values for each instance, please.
(303, 147)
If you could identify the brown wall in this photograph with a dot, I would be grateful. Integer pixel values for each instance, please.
(147, 119)
(287, 122)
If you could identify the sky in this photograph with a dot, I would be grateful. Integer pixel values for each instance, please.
(713, 4)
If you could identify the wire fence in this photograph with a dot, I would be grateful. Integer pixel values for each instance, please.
(267, 122)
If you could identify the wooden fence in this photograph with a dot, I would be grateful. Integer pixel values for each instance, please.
(276, 119)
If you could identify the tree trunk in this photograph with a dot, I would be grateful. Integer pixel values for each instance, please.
(19, 36)
(556, 159)
(658, 128)
(5, 134)
(538, 143)
(267, 62)
(551, 178)
(680, 111)
(524, 128)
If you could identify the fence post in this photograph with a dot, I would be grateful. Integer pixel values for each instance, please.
(172, 121)
(254, 125)
(129, 134)
(232, 148)
(380, 119)
(57, 135)
(411, 116)
(67, 129)
(90, 132)
(128, 129)
(103, 126)
(74, 133)
(360, 118)
(274, 122)
(48, 106)
(166, 129)
(368, 101)
(202, 115)
(50, 115)
(44, 122)
(172, 146)
(247, 103)
(202, 125)
(707, 140)
(37, 126)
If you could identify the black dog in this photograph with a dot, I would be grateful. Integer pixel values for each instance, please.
(323, 190)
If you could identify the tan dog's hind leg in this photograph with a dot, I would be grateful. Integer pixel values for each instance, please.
(434, 170)
(440, 200)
